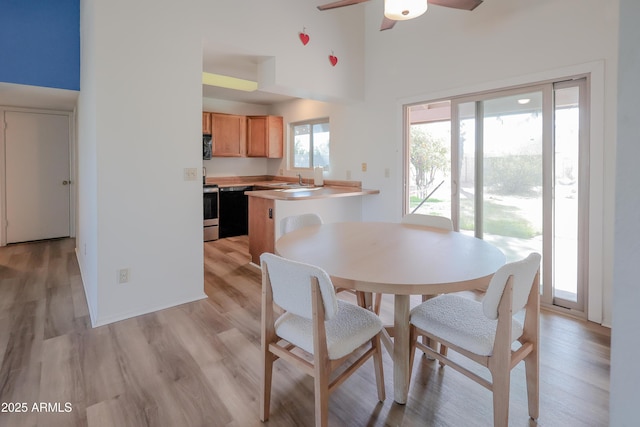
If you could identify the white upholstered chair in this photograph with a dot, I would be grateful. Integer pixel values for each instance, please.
(428, 221)
(486, 331)
(315, 321)
(293, 222)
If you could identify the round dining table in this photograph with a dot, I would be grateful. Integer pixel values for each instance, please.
(398, 259)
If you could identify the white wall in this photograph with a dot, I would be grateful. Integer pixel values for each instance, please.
(270, 29)
(625, 346)
(139, 127)
(87, 164)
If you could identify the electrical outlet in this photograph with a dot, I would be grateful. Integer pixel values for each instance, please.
(190, 174)
(123, 275)
(364, 167)
(387, 173)
(280, 172)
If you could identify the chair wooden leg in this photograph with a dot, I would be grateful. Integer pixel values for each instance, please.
(413, 338)
(267, 375)
(377, 362)
(377, 304)
(443, 351)
(361, 298)
(321, 362)
(501, 380)
(321, 391)
(531, 364)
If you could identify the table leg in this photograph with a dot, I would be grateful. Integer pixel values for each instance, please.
(401, 374)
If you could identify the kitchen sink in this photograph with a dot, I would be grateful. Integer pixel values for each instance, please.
(299, 189)
(288, 185)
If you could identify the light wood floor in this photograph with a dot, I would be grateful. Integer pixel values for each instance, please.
(198, 364)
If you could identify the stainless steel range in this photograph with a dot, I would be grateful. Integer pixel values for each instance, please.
(211, 212)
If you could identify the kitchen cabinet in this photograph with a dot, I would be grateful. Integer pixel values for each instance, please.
(206, 123)
(262, 227)
(229, 135)
(265, 136)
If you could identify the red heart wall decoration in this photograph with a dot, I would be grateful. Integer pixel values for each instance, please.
(304, 38)
(333, 59)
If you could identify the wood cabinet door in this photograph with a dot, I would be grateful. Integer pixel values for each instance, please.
(229, 135)
(261, 227)
(257, 136)
(275, 145)
(265, 136)
(206, 123)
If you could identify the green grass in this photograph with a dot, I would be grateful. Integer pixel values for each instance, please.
(415, 201)
(500, 220)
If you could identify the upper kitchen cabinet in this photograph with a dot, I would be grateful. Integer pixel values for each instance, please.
(229, 135)
(265, 136)
(206, 123)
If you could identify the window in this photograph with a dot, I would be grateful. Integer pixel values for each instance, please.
(310, 144)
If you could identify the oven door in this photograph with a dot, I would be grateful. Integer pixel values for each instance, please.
(211, 207)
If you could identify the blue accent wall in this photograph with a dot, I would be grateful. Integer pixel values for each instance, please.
(40, 43)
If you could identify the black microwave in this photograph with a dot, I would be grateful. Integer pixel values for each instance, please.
(206, 147)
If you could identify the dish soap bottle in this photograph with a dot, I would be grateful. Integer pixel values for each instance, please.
(318, 179)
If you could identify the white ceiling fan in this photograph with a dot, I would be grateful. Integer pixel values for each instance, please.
(400, 10)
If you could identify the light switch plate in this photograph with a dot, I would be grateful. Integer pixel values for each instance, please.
(190, 174)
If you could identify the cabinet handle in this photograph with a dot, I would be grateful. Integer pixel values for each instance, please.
(270, 213)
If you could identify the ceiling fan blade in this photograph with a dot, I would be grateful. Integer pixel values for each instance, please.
(341, 3)
(387, 23)
(457, 4)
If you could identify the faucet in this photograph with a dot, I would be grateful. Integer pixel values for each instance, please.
(300, 180)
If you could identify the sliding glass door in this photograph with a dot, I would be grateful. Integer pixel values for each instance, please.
(500, 188)
(518, 160)
(570, 205)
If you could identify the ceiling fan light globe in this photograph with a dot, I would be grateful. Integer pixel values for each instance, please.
(402, 10)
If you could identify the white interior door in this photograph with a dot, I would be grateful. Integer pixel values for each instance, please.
(37, 176)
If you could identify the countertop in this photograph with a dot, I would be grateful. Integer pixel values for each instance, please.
(286, 188)
(299, 193)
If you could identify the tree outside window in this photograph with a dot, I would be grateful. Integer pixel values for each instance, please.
(429, 156)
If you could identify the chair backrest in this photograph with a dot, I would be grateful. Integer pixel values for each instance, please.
(428, 221)
(290, 223)
(523, 273)
(291, 285)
